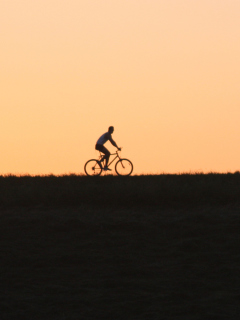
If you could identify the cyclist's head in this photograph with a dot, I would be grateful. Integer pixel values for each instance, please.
(111, 129)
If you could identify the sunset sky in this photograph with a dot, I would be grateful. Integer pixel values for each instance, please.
(164, 73)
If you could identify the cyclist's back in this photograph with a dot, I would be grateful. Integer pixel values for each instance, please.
(104, 138)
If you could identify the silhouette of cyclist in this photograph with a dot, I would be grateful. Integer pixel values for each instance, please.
(100, 146)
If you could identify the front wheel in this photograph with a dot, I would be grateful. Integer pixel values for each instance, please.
(124, 167)
(93, 168)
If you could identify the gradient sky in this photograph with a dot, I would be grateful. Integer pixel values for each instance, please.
(164, 73)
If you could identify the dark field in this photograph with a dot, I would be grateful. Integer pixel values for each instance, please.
(141, 247)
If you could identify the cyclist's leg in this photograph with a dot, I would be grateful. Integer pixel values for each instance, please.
(104, 150)
(107, 154)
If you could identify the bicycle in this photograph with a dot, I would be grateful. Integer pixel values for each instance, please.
(123, 167)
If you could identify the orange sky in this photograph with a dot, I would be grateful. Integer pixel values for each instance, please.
(165, 74)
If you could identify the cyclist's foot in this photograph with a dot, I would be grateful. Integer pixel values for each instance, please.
(107, 169)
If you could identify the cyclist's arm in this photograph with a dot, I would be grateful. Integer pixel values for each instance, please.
(113, 142)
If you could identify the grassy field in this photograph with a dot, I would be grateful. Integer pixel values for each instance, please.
(140, 247)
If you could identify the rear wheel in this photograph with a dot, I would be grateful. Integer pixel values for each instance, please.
(124, 167)
(93, 168)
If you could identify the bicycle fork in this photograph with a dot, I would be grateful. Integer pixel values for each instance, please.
(122, 163)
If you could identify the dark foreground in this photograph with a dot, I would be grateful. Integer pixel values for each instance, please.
(92, 261)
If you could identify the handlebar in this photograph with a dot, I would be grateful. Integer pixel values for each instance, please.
(116, 151)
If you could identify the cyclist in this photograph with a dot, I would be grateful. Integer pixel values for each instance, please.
(100, 146)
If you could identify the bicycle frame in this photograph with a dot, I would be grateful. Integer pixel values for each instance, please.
(111, 154)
